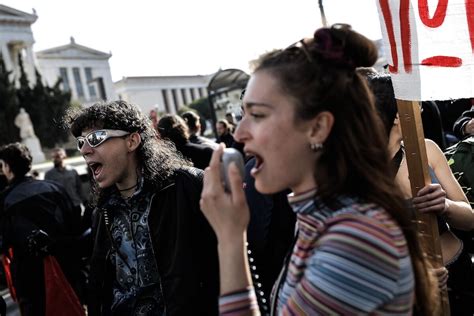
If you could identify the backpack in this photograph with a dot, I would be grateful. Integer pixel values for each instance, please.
(460, 159)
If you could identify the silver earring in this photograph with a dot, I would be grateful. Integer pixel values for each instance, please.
(316, 146)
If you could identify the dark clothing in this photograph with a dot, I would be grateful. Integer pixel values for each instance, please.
(195, 139)
(200, 155)
(29, 205)
(432, 124)
(227, 139)
(270, 234)
(69, 179)
(460, 122)
(184, 248)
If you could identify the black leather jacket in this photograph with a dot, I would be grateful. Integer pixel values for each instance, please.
(184, 245)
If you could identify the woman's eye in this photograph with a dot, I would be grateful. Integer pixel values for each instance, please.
(257, 115)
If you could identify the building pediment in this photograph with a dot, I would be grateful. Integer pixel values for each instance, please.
(10, 15)
(72, 51)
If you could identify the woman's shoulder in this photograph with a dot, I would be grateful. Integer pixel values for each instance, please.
(434, 153)
(364, 218)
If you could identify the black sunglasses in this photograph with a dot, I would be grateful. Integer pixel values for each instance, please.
(97, 137)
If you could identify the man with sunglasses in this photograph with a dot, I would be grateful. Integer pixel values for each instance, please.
(154, 253)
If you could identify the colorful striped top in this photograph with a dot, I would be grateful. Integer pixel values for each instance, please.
(351, 259)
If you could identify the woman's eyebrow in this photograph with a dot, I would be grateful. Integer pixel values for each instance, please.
(249, 105)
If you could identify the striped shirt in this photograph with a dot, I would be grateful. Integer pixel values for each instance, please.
(352, 259)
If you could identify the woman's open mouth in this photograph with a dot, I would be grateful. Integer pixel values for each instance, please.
(258, 165)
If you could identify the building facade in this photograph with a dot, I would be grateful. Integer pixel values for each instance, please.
(16, 39)
(166, 94)
(84, 71)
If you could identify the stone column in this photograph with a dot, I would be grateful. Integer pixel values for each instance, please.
(30, 62)
(171, 104)
(72, 83)
(6, 57)
(197, 93)
(179, 96)
(187, 92)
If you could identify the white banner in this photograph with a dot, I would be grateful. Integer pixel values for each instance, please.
(429, 46)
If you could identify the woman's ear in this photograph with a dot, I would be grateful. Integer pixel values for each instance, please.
(321, 126)
(134, 141)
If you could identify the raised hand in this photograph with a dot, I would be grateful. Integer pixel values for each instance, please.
(227, 213)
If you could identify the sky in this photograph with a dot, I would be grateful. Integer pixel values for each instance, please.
(187, 37)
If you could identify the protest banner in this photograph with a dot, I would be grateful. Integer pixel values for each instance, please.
(430, 50)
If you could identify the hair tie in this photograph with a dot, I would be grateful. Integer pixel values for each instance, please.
(331, 48)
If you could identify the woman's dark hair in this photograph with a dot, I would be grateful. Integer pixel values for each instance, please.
(385, 102)
(157, 158)
(173, 128)
(18, 158)
(320, 75)
(191, 119)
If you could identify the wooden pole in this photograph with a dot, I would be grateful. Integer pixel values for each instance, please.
(417, 161)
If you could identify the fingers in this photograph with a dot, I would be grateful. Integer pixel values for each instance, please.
(236, 186)
(442, 275)
(430, 192)
(431, 198)
(212, 174)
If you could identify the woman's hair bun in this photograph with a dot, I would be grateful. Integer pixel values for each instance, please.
(342, 46)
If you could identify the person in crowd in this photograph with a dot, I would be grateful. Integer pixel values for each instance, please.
(36, 220)
(464, 125)
(230, 118)
(311, 124)
(443, 197)
(154, 253)
(192, 119)
(67, 177)
(224, 134)
(174, 129)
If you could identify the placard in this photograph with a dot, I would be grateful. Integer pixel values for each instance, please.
(429, 45)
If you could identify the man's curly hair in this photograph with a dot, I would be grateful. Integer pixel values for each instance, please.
(158, 159)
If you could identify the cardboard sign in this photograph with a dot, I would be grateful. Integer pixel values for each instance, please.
(430, 47)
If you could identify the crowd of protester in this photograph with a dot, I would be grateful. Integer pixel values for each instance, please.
(321, 223)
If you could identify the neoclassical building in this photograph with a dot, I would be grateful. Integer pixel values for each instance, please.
(162, 93)
(17, 39)
(84, 71)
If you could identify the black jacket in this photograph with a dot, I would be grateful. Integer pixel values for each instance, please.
(185, 249)
(28, 205)
(459, 124)
(200, 155)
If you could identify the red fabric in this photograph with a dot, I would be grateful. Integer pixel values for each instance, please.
(61, 300)
(8, 275)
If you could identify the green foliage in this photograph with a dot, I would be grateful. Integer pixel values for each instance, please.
(202, 107)
(46, 106)
(8, 107)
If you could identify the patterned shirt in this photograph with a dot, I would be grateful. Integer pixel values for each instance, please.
(352, 259)
(136, 288)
